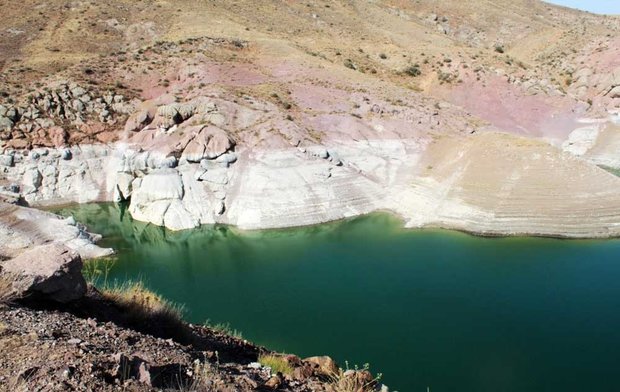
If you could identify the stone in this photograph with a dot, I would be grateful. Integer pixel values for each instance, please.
(32, 179)
(57, 136)
(66, 154)
(273, 383)
(52, 271)
(302, 372)
(5, 123)
(6, 160)
(210, 143)
(226, 159)
(139, 120)
(219, 207)
(323, 365)
(123, 186)
(78, 91)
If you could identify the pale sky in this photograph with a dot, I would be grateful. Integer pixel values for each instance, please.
(597, 6)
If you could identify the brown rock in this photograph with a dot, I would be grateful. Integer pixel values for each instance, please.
(57, 136)
(52, 271)
(323, 366)
(302, 372)
(273, 383)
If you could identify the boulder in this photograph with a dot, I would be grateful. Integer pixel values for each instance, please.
(273, 383)
(123, 186)
(66, 154)
(226, 159)
(323, 366)
(140, 119)
(209, 143)
(6, 160)
(5, 123)
(32, 179)
(52, 271)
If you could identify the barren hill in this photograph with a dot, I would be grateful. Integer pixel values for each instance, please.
(276, 113)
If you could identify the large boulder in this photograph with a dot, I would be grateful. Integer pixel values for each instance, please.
(323, 366)
(51, 271)
(209, 143)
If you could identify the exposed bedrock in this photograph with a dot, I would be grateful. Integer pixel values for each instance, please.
(181, 165)
(489, 183)
(52, 271)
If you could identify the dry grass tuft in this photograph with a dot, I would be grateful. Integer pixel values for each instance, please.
(148, 312)
(354, 380)
(277, 364)
(142, 302)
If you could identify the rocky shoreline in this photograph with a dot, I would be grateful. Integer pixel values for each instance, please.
(298, 186)
(58, 333)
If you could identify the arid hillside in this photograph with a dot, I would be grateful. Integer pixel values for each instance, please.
(353, 103)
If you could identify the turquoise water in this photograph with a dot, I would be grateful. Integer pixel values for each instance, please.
(435, 309)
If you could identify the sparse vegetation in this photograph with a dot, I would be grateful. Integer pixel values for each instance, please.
(499, 48)
(413, 70)
(139, 300)
(224, 328)
(278, 364)
(350, 64)
(354, 380)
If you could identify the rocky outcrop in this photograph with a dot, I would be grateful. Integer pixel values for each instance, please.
(24, 228)
(210, 143)
(51, 272)
(84, 345)
(62, 113)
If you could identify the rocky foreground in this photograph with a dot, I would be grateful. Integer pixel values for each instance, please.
(59, 334)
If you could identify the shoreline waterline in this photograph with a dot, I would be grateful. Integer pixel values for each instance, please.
(418, 305)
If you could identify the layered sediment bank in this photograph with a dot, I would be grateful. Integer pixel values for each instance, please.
(487, 183)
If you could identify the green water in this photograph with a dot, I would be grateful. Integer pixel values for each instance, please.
(432, 309)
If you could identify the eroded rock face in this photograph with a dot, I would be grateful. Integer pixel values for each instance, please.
(52, 271)
(210, 143)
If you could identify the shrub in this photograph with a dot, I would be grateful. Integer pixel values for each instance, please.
(413, 70)
(383, 56)
(360, 380)
(499, 48)
(277, 364)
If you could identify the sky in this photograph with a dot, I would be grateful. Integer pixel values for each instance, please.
(597, 6)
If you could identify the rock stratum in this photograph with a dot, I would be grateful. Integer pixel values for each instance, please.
(501, 122)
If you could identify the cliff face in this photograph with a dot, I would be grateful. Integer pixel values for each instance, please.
(483, 117)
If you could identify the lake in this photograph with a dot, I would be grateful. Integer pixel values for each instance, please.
(428, 308)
